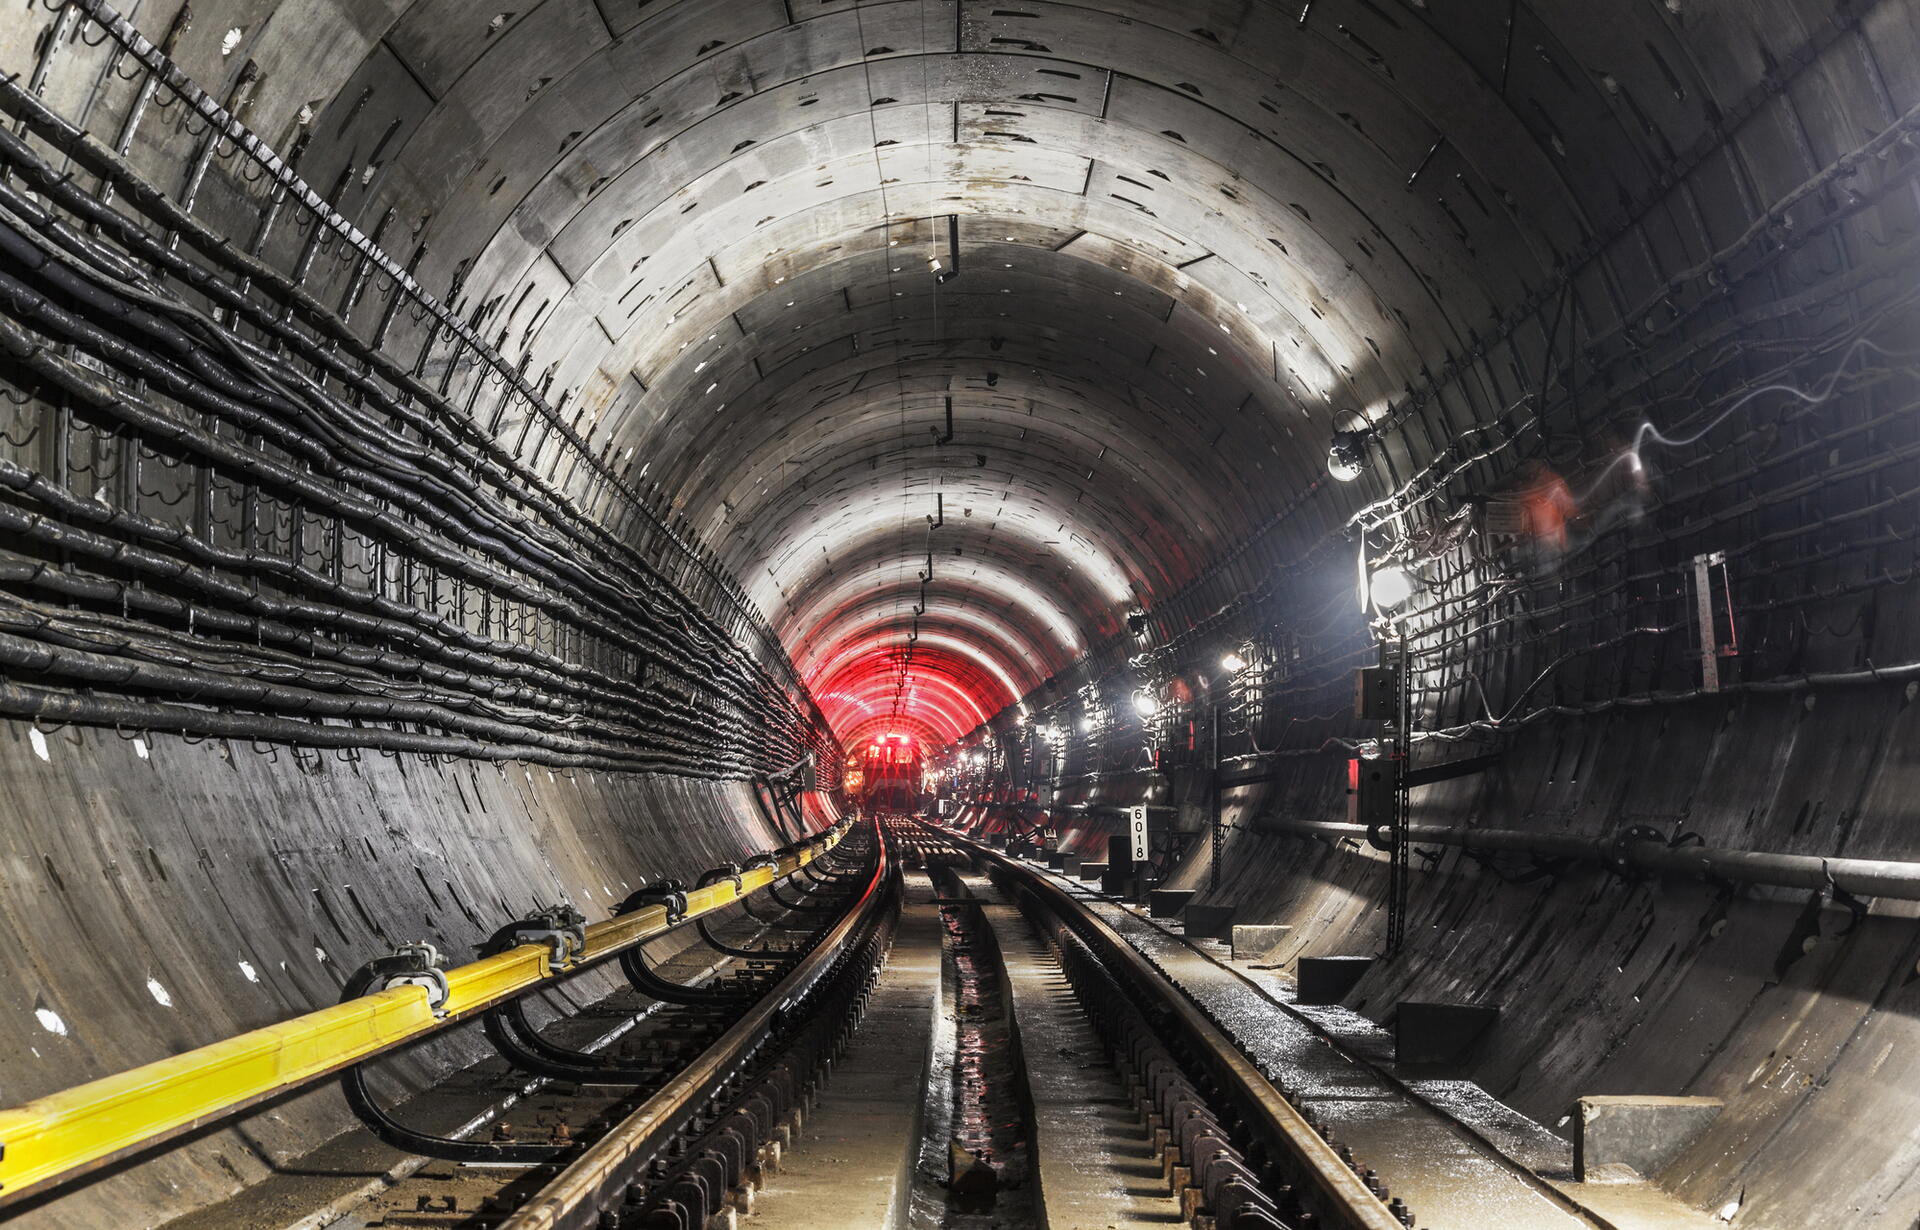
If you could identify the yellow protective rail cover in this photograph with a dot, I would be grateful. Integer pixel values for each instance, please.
(63, 1134)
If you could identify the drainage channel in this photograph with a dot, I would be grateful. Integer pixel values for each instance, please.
(976, 1093)
(958, 1055)
(1235, 1152)
(1089, 1156)
(852, 1160)
(989, 1158)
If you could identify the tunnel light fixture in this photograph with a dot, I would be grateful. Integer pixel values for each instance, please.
(1347, 456)
(1145, 703)
(1390, 587)
(1087, 724)
(1232, 663)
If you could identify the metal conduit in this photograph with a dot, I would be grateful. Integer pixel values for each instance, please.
(1860, 877)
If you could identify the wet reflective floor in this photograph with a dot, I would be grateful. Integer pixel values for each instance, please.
(975, 1095)
(1097, 1170)
(878, 1150)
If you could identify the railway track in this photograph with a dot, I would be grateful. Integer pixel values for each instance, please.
(911, 1030)
(1215, 1143)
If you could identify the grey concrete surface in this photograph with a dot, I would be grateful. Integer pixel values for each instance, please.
(852, 1163)
(1642, 1133)
(1615, 985)
(1197, 237)
(1451, 1180)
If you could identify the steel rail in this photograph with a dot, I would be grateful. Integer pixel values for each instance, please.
(1336, 1193)
(573, 1200)
(54, 1139)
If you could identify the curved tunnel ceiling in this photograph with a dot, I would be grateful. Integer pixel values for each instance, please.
(1192, 239)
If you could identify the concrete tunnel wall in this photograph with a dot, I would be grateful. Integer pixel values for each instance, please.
(1775, 1000)
(1183, 273)
(1803, 1018)
(214, 887)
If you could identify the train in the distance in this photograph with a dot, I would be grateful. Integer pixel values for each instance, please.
(883, 775)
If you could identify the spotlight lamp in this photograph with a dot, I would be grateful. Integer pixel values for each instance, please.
(1347, 456)
(1390, 587)
(1145, 703)
(1232, 663)
(1087, 723)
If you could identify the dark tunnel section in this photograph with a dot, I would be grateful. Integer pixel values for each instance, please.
(454, 460)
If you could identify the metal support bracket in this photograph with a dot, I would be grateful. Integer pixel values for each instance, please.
(670, 895)
(1705, 609)
(562, 928)
(404, 968)
(727, 871)
(1617, 853)
(417, 965)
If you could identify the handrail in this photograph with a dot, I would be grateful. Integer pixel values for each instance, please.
(58, 1137)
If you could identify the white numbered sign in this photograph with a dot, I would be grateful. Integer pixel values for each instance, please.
(1137, 830)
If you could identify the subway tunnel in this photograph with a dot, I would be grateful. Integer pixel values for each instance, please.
(949, 613)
